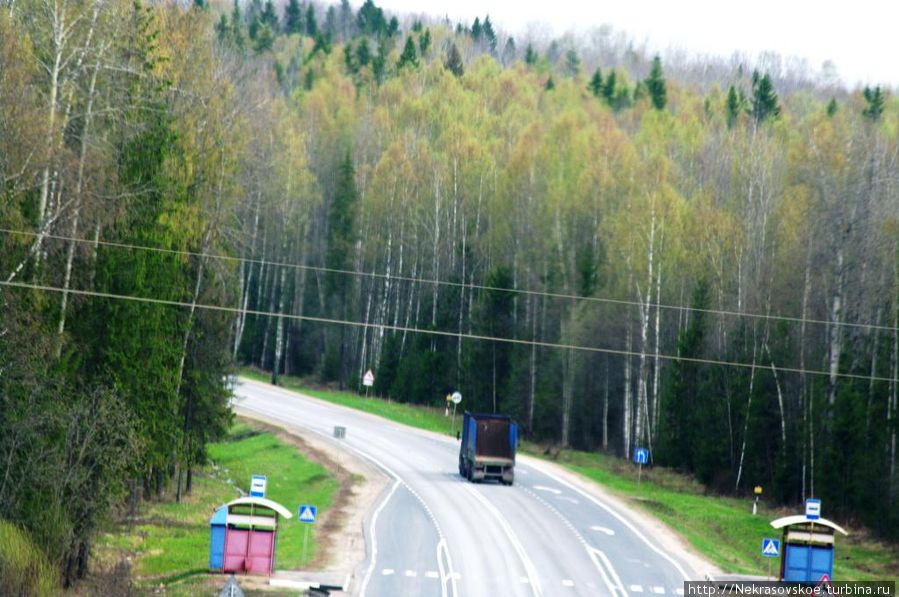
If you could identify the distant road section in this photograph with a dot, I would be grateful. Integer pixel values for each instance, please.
(434, 533)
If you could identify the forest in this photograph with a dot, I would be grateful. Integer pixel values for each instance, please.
(699, 257)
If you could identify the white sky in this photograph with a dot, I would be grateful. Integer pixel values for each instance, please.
(861, 37)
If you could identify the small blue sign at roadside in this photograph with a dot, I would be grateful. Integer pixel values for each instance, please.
(306, 513)
(257, 486)
(770, 547)
(641, 456)
(813, 509)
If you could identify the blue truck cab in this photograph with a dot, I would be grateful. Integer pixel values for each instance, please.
(488, 447)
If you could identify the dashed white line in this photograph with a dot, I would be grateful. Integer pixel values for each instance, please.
(567, 499)
(432, 574)
(605, 530)
(411, 573)
(567, 583)
(524, 580)
(387, 571)
(658, 590)
(678, 591)
(636, 588)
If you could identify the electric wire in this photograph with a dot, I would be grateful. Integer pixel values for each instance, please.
(470, 286)
(443, 333)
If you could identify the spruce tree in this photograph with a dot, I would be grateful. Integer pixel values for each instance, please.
(550, 84)
(572, 63)
(608, 89)
(409, 57)
(269, 17)
(424, 42)
(832, 107)
(293, 17)
(265, 38)
(764, 98)
(363, 53)
(655, 85)
(476, 30)
(530, 56)
(509, 52)
(874, 100)
(734, 105)
(489, 34)
(453, 61)
(595, 85)
(311, 23)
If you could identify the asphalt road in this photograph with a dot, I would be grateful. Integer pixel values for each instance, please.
(433, 533)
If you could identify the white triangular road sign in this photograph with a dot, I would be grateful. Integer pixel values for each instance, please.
(770, 548)
(307, 514)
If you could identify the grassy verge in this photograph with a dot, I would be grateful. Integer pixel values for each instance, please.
(720, 528)
(24, 569)
(169, 542)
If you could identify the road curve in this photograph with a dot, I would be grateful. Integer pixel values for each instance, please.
(433, 533)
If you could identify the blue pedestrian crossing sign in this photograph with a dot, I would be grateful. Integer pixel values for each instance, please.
(641, 456)
(306, 513)
(770, 547)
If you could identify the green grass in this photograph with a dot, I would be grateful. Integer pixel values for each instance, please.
(170, 541)
(720, 528)
(24, 569)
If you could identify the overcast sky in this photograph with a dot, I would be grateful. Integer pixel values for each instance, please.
(861, 37)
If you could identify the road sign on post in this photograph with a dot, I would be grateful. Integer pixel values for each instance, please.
(306, 513)
(368, 379)
(813, 509)
(257, 486)
(770, 547)
(641, 457)
(456, 398)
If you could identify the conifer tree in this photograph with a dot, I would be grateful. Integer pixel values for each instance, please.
(550, 84)
(764, 98)
(489, 34)
(509, 52)
(874, 98)
(269, 17)
(311, 23)
(595, 85)
(655, 85)
(409, 57)
(530, 56)
(572, 63)
(832, 107)
(293, 17)
(424, 42)
(453, 61)
(476, 30)
(608, 89)
(363, 53)
(734, 105)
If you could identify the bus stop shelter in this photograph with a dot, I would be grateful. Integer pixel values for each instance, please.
(807, 554)
(243, 534)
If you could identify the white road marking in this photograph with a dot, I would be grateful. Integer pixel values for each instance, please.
(619, 517)
(678, 591)
(549, 489)
(567, 583)
(387, 571)
(513, 539)
(524, 580)
(618, 584)
(411, 573)
(605, 530)
(658, 590)
(636, 588)
(432, 574)
(374, 542)
(567, 499)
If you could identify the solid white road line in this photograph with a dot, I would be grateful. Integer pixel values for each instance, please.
(529, 567)
(374, 542)
(618, 584)
(605, 530)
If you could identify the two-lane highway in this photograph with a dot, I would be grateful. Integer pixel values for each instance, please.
(433, 533)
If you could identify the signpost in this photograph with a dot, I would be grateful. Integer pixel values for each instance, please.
(641, 457)
(368, 380)
(755, 503)
(770, 549)
(457, 398)
(813, 509)
(306, 513)
(257, 486)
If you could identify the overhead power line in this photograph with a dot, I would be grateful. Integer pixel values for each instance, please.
(373, 275)
(415, 330)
